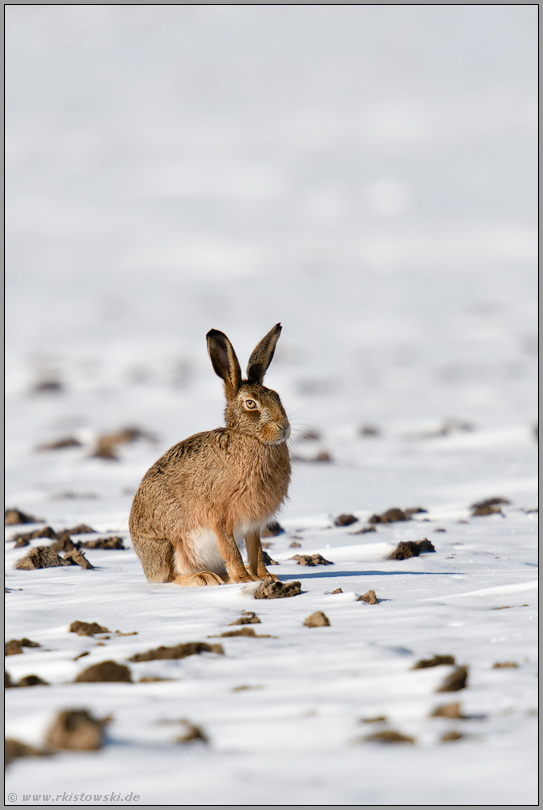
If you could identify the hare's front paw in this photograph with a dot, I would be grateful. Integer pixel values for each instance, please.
(243, 576)
(263, 574)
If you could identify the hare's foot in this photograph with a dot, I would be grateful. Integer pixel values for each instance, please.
(201, 578)
(262, 573)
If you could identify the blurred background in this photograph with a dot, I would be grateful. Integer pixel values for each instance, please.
(364, 174)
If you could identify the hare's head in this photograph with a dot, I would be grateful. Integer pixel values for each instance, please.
(250, 407)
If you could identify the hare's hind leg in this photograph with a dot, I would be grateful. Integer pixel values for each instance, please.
(201, 578)
(254, 553)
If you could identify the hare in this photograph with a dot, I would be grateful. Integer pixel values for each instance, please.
(215, 489)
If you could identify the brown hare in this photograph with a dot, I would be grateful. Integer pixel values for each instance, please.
(215, 489)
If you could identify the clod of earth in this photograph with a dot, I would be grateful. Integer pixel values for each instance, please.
(317, 619)
(267, 560)
(104, 672)
(8, 683)
(245, 688)
(192, 733)
(450, 710)
(180, 651)
(248, 617)
(40, 557)
(277, 590)
(24, 539)
(379, 719)
(345, 520)
(337, 590)
(114, 543)
(14, 749)
(311, 559)
(76, 730)
(14, 517)
(410, 548)
(455, 681)
(368, 597)
(436, 661)
(369, 430)
(76, 557)
(365, 530)
(107, 443)
(452, 736)
(60, 444)
(87, 628)
(389, 736)
(295, 544)
(440, 530)
(245, 631)
(32, 680)
(505, 665)
(490, 506)
(272, 529)
(15, 646)
(393, 515)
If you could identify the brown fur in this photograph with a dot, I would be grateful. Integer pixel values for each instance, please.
(217, 487)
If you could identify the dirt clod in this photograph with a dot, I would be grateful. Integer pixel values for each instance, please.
(40, 557)
(345, 520)
(267, 560)
(452, 736)
(60, 444)
(15, 646)
(248, 617)
(505, 665)
(490, 506)
(368, 597)
(365, 530)
(436, 661)
(455, 681)
(76, 557)
(32, 680)
(107, 443)
(24, 539)
(180, 651)
(113, 543)
(104, 672)
(272, 529)
(337, 590)
(13, 517)
(14, 749)
(317, 619)
(369, 430)
(450, 710)
(379, 719)
(76, 730)
(245, 631)
(393, 515)
(389, 736)
(87, 628)
(191, 733)
(8, 683)
(311, 559)
(295, 544)
(277, 590)
(410, 548)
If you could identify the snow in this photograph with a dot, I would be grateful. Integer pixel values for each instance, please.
(365, 176)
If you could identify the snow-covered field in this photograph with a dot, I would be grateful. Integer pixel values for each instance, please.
(365, 176)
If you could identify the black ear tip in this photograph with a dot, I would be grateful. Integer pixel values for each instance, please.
(214, 333)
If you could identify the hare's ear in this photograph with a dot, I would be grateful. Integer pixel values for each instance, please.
(224, 360)
(262, 356)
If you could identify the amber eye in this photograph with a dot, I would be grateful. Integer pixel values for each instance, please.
(250, 404)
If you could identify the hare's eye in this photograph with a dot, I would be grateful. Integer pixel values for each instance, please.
(250, 404)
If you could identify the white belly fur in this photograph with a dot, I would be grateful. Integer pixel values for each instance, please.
(206, 550)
